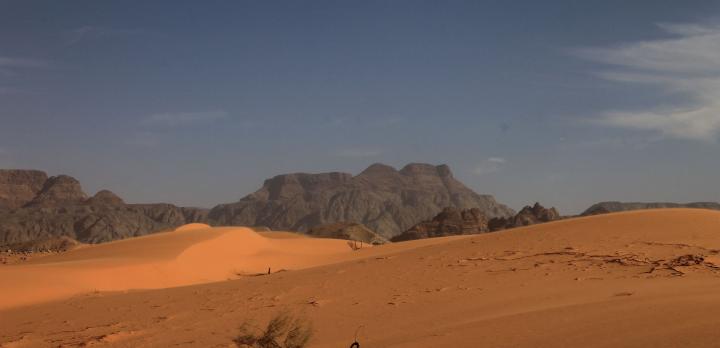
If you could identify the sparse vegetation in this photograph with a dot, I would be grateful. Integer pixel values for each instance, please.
(282, 331)
(355, 245)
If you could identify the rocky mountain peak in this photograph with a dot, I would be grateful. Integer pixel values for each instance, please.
(379, 169)
(59, 190)
(105, 197)
(528, 215)
(42, 208)
(18, 187)
(385, 200)
(290, 185)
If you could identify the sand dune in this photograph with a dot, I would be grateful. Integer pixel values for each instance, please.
(634, 279)
(194, 253)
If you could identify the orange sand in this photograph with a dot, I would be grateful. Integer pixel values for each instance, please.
(192, 254)
(616, 280)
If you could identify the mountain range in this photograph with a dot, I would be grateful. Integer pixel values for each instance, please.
(615, 206)
(386, 200)
(34, 206)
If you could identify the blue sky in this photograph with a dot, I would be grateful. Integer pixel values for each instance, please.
(563, 102)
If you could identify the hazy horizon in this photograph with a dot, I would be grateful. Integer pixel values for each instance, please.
(560, 102)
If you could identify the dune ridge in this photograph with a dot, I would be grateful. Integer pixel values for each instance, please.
(631, 279)
(192, 254)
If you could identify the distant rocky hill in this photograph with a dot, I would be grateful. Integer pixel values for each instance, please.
(34, 207)
(347, 230)
(614, 206)
(19, 187)
(451, 221)
(384, 199)
(527, 216)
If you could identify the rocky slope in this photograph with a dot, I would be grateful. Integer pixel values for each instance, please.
(527, 216)
(451, 221)
(19, 187)
(382, 198)
(614, 206)
(58, 207)
(347, 230)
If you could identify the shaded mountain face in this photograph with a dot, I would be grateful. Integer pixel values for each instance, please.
(58, 191)
(347, 230)
(382, 198)
(529, 215)
(450, 222)
(19, 187)
(60, 208)
(614, 206)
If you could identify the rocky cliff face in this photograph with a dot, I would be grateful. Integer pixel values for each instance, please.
(612, 207)
(527, 216)
(19, 187)
(60, 208)
(451, 221)
(58, 191)
(384, 199)
(347, 230)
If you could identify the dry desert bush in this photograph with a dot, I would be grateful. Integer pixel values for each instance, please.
(282, 331)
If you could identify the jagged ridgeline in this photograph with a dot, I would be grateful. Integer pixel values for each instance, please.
(386, 200)
(34, 206)
(615, 206)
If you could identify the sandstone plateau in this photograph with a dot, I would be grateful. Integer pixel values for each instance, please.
(386, 200)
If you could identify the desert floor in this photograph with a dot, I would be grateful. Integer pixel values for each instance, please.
(635, 279)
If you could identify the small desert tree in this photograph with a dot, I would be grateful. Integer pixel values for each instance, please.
(282, 331)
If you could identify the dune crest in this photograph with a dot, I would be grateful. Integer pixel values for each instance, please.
(632, 279)
(192, 226)
(192, 254)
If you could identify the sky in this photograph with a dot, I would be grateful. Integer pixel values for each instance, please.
(195, 103)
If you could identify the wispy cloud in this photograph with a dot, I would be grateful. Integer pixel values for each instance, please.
(490, 165)
(687, 64)
(184, 118)
(10, 66)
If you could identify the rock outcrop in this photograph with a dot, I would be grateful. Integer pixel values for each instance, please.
(60, 208)
(382, 198)
(347, 230)
(59, 190)
(105, 197)
(612, 207)
(451, 221)
(19, 187)
(53, 244)
(527, 216)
